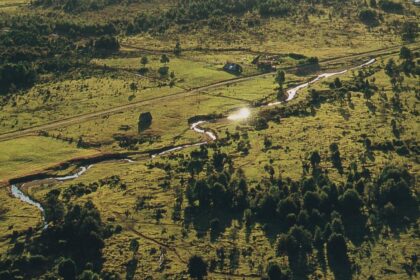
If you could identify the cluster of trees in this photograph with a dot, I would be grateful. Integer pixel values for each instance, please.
(368, 17)
(81, 189)
(34, 45)
(217, 14)
(409, 31)
(106, 44)
(221, 188)
(391, 6)
(307, 65)
(16, 75)
(76, 6)
(312, 212)
(163, 70)
(70, 247)
(408, 66)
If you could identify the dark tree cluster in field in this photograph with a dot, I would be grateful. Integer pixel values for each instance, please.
(391, 6)
(221, 15)
(70, 247)
(409, 66)
(221, 188)
(369, 17)
(145, 121)
(33, 45)
(311, 213)
(81, 189)
(106, 44)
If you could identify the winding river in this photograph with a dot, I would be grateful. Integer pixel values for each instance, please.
(241, 114)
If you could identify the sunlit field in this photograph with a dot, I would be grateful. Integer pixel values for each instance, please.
(209, 139)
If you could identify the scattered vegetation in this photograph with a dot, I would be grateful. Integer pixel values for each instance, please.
(307, 188)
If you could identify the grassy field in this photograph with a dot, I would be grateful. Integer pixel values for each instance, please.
(295, 137)
(12, 6)
(188, 73)
(318, 37)
(82, 96)
(149, 186)
(145, 182)
(32, 154)
(19, 216)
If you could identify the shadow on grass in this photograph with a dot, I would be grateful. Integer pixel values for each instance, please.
(215, 220)
(355, 228)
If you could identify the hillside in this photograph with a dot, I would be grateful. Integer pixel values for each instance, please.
(208, 139)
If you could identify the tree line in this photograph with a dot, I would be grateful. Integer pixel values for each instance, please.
(34, 45)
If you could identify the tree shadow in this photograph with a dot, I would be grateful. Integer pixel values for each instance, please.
(355, 228)
(341, 269)
(201, 220)
(344, 113)
(370, 156)
(320, 255)
(371, 106)
(299, 266)
(131, 267)
(272, 230)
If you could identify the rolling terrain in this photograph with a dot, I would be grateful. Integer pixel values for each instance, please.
(209, 139)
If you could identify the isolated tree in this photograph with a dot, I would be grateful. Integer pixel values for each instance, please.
(54, 208)
(280, 78)
(267, 143)
(163, 71)
(405, 53)
(133, 86)
(335, 157)
(164, 59)
(337, 83)
(260, 123)
(143, 61)
(67, 269)
(177, 49)
(368, 144)
(145, 121)
(315, 159)
(314, 95)
(368, 17)
(391, 68)
(134, 245)
(197, 267)
(409, 31)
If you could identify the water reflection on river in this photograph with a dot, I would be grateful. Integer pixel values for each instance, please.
(242, 114)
